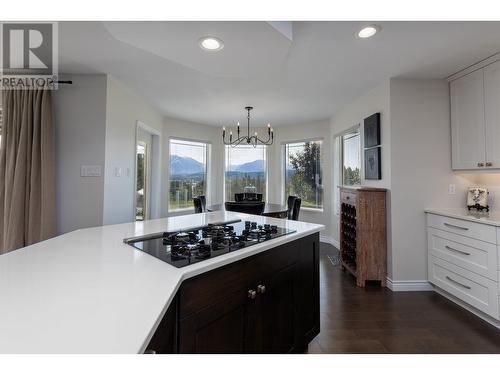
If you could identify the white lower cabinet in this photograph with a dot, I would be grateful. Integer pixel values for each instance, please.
(465, 266)
(477, 291)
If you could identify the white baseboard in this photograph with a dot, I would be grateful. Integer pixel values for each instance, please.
(409, 285)
(468, 307)
(330, 240)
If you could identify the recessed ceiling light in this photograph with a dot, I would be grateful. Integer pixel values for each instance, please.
(210, 43)
(368, 31)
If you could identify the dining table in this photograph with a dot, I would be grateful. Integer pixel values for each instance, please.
(276, 210)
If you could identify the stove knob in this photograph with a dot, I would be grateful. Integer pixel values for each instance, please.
(261, 289)
(247, 223)
(254, 224)
(252, 294)
(260, 227)
(267, 226)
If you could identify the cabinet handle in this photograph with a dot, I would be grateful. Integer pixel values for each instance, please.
(489, 164)
(252, 294)
(261, 289)
(455, 226)
(150, 351)
(480, 164)
(456, 250)
(456, 282)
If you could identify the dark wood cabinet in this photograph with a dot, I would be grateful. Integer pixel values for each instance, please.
(267, 303)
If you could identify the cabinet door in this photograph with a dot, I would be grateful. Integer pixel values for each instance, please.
(278, 312)
(226, 327)
(467, 121)
(492, 114)
(308, 319)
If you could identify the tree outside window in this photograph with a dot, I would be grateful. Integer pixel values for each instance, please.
(303, 172)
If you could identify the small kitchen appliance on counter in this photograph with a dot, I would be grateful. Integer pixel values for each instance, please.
(477, 198)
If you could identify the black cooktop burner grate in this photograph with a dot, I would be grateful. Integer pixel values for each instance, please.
(191, 246)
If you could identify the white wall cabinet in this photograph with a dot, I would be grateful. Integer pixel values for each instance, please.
(467, 121)
(492, 114)
(475, 119)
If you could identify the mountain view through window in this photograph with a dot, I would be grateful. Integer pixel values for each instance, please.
(188, 173)
(245, 170)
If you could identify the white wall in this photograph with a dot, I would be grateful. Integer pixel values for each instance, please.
(317, 130)
(421, 169)
(375, 100)
(195, 132)
(124, 109)
(80, 120)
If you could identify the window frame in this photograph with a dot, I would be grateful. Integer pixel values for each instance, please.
(356, 128)
(208, 171)
(283, 170)
(266, 171)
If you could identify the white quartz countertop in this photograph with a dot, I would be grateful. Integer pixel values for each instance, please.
(88, 292)
(488, 218)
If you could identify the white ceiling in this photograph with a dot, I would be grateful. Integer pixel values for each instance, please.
(288, 82)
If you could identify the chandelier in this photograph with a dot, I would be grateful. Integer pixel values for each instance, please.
(253, 140)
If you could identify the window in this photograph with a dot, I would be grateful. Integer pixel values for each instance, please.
(188, 173)
(245, 170)
(303, 175)
(351, 158)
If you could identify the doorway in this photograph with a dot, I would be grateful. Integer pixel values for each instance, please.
(147, 177)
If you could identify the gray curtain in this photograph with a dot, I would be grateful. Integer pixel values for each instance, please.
(27, 170)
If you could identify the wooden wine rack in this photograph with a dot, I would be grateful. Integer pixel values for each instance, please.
(363, 238)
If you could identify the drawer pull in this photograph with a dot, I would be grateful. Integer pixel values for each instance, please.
(456, 282)
(456, 250)
(455, 226)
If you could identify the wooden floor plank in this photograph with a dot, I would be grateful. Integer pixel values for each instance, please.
(376, 320)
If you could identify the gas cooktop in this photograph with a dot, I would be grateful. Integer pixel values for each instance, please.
(189, 246)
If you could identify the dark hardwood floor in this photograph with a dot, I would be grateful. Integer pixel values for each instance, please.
(376, 320)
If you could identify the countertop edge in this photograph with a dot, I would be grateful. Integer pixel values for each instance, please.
(482, 220)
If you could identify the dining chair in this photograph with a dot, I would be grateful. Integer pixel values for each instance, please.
(293, 205)
(290, 205)
(296, 209)
(200, 204)
(253, 208)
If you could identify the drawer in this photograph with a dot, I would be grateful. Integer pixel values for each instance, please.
(477, 291)
(348, 197)
(474, 255)
(466, 228)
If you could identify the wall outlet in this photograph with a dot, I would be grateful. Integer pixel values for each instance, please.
(452, 189)
(90, 171)
(118, 172)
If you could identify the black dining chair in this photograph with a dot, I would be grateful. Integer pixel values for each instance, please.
(253, 208)
(252, 197)
(239, 197)
(296, 209)
(293, 205)
(200, 204)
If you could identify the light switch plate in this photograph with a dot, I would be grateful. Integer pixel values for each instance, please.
(118, 172)
(90, 171)
(451, 189)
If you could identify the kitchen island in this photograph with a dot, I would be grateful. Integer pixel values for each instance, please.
(88, 292)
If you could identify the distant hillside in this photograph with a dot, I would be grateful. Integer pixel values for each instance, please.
(253, 166)
(185, 165)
